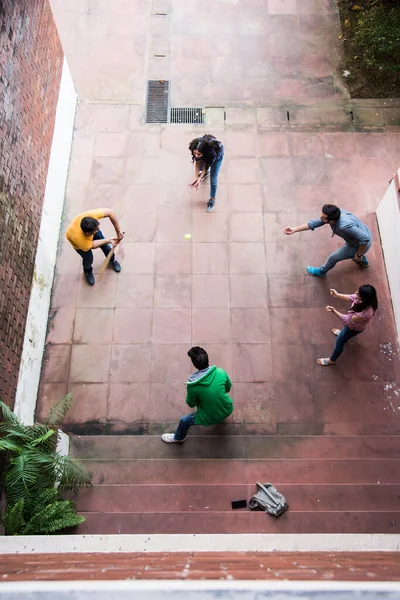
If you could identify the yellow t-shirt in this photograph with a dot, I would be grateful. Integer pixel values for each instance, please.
(74, 233)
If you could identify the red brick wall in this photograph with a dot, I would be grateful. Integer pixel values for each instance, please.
(263, 566)
(30, 71)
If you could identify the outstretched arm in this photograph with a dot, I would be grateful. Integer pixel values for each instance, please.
(336, 294)
(337, 314)
(292, 230)
(196, 181)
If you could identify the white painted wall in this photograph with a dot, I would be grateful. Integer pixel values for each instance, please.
(388, 215)
(36, 325)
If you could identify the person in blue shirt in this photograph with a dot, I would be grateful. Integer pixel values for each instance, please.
(357, 237)
(207, 154)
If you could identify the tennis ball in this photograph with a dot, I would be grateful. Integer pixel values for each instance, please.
(187, 236)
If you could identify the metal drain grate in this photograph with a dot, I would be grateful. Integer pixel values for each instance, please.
(157, 101)
(187, 115)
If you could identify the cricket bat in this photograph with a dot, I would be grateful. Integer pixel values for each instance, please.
(106, 261)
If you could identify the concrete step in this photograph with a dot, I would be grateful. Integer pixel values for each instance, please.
(238, 447)
(217, 498)
(333, 484)
(224, 471)
(383, 426)
(241, 522)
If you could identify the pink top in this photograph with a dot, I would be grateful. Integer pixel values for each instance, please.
(366, 315)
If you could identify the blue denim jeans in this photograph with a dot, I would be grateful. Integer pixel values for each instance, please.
(184, 425)
(344, 336)
(87, 257)
(215, 168)
(342, 253)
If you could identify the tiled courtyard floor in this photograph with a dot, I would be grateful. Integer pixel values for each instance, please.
(238, 286)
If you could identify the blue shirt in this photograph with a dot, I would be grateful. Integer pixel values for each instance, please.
(349, 227)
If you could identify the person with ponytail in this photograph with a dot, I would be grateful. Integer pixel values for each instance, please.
(363, 307)
(207, 154)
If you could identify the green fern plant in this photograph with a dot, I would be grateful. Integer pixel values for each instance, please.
(57, 413)
(34, 465)
(44, 514)
(13, 518)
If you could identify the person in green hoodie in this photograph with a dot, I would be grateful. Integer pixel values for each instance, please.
(207, 389)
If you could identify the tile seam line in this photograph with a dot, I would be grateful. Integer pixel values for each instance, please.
(214, 485)
(228, 458)
(301, 436)
(246, 512)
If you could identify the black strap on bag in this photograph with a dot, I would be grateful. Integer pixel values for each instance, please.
(269, 499)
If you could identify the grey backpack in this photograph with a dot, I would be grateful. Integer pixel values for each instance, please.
(269, 499)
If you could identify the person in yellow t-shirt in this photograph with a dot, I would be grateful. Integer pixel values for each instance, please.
(84, 236)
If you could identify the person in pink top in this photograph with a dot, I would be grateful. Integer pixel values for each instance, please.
(363, 307)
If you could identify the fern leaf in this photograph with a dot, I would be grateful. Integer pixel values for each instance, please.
(28, 473)
(7, 445)
(59, 410)
(8, 415)
(37, 502)
(13, 518)
(65, 521)
(54, 517)
(19, 432)
(43, 438)
(72, 474)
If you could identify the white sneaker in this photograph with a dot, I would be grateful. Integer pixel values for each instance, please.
(169, 438)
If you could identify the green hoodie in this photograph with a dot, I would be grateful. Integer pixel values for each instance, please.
(208, 391)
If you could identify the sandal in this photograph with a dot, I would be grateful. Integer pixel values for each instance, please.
(335, 331)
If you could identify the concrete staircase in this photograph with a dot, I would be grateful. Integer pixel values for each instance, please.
(333, 484)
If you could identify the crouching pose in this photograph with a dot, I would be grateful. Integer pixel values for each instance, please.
(207, 155)
(207, 390)
(363, 307)
(84, 235)
(357, 237)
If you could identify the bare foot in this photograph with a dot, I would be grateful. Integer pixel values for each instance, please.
(335, 331)
(325, 362)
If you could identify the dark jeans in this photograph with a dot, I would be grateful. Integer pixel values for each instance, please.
(184, 425)
(214, 170)
(344, 336)
(87, 257)
(214, 176)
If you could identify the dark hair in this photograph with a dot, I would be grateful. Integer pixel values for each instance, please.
(208, 146)
(368, 298)
(89, 225)
(199, 357)
(331, 211)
